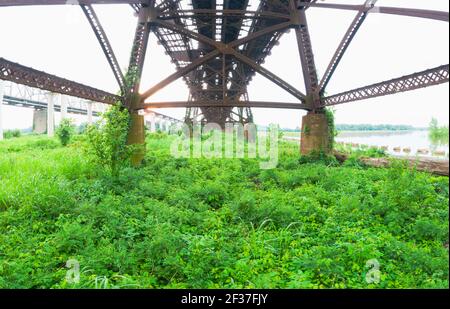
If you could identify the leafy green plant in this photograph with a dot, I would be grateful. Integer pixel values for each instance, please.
(332, 132)
(195, 223)
(438, 134)
(65, 131)
(12, 134)
(107, 140)
(319, 157)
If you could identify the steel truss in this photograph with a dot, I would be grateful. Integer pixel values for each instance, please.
(414, 81)
(218, 47)
(24, 96)
(19, 74)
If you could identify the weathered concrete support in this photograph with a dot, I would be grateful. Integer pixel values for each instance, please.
(89, 113)
(64, 100)
(152, 122)
(40, 121)
(164, 125)
(2, 92)
(315, 134)
(136, 133)
(51, 114)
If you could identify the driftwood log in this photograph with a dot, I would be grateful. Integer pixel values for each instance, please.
(430, 165)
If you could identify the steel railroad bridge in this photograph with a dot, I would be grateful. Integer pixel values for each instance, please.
(45, 103)
(217, 47)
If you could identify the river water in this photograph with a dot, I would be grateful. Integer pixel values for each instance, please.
(414, 140)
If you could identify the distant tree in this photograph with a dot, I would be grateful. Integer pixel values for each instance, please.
(65, 131)
(436, 133)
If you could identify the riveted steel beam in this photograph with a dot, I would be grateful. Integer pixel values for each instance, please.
(435, 76)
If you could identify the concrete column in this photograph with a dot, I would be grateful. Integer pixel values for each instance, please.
(166, 126)
(40, 121)
(152, 122)
(315, 134)
(64, 100)
(158, 124)
(89, 112)
(51, 97)
(2, 92)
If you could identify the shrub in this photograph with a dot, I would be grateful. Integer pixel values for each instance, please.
(65, 131)
(332, 133)
(11, 133)
(319, 157)
(107, 140)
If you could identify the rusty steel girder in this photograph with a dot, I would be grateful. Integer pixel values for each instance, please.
(20, 74)
(414, 81)
(100, 33)
(63, 2)
(218, 47)
(222, 104)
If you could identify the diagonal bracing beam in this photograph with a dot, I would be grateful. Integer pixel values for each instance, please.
(104, 43)
(345, 43)
(222, 48)
(215, 103)
(20, 74)
(180, 73)
(427, 14)
(306, 52)
(138, 51)
(414, 81)
(269, 75)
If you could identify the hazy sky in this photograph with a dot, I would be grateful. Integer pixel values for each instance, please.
(59, 40)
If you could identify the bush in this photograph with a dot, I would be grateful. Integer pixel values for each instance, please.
(65, 131)
(11, 134)
(107, 140)
(319, 157)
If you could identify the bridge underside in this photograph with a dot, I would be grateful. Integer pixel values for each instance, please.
(218, 46)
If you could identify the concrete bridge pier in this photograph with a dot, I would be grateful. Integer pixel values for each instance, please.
(89, 113)
(40, 121)
(51, 97)
(152, 121)
(64, 100)
(164, 125)
(136, 133)
(315, 134)
(2, 92)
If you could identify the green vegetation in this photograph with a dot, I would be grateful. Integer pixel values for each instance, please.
(12, 134)
(355, 153)
(332, 133)
(106, 140)
(178, 223)
(65, 131)
(437, 134)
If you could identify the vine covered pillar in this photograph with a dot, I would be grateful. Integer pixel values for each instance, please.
(315, 136)
(136, 132)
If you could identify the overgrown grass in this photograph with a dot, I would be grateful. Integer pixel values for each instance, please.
(197, 223)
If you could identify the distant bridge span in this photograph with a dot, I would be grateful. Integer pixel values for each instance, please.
(218, 48)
